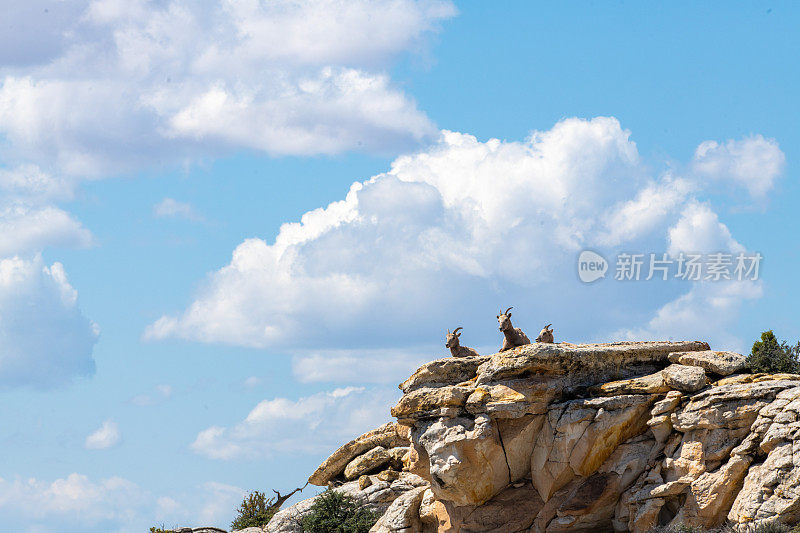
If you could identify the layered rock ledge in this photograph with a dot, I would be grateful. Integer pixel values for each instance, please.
(578, 437)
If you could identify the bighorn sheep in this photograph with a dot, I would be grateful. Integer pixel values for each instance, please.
(455, 348)
(513, 336)
(546, 335)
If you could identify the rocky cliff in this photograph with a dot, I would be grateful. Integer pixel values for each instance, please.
(590, 437)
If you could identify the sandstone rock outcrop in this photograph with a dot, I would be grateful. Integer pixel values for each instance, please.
(589, 437)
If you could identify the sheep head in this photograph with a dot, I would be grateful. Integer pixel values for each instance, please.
(504, 319)
(546, 335)
(452, 338)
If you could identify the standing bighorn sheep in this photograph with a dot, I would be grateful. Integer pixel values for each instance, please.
(513, 336)
(455, 348)
(546, 335)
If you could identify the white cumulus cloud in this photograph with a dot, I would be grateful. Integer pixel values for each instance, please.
(77, 503)
(29, 220)
(44, 338)
(111, 85)
(753, 163)
(74, 503)
(699, 230)
(26, 230)
(447, 236)
(310, 424)
(106, 436)
(709, 307)
(171, 208)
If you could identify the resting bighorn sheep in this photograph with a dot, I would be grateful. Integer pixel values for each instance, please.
(513, 336)
(455, 348)
(546, 335)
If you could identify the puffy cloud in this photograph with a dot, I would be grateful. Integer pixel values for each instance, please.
(120, 88)
(450, 234)
(460, 214)
(74, 503)
(106, 436)
(699, 230)
(753, 163)
(44, 338)
(20, 46)
(171, 208)
(79, 504)
(706, 311)
(28, 220)
(25, 230)
(31, 183)
(252, 382)
(709, 308)
(310, 424)
(651, 207)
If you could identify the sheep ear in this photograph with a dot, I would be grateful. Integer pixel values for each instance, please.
(458, 334)
(509, 315)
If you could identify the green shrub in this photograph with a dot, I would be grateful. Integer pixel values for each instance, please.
(256, 510)
(771, 356)
(769, 528)
(681, 529)
(333, 512)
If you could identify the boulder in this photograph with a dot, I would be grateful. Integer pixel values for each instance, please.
(402, 515)
(584, 363)
(684, 378)
(388, 435)
(467, 465)
(376, 457)
(444, 372)
(649, 384)
(427, 402)
(722, 363)
(397, 456)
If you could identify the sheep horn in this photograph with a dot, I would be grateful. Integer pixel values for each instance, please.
(548, 326)
(454, 331)
(448, 331)
(507, 310)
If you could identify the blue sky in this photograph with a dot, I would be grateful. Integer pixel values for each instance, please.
(229, 229)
